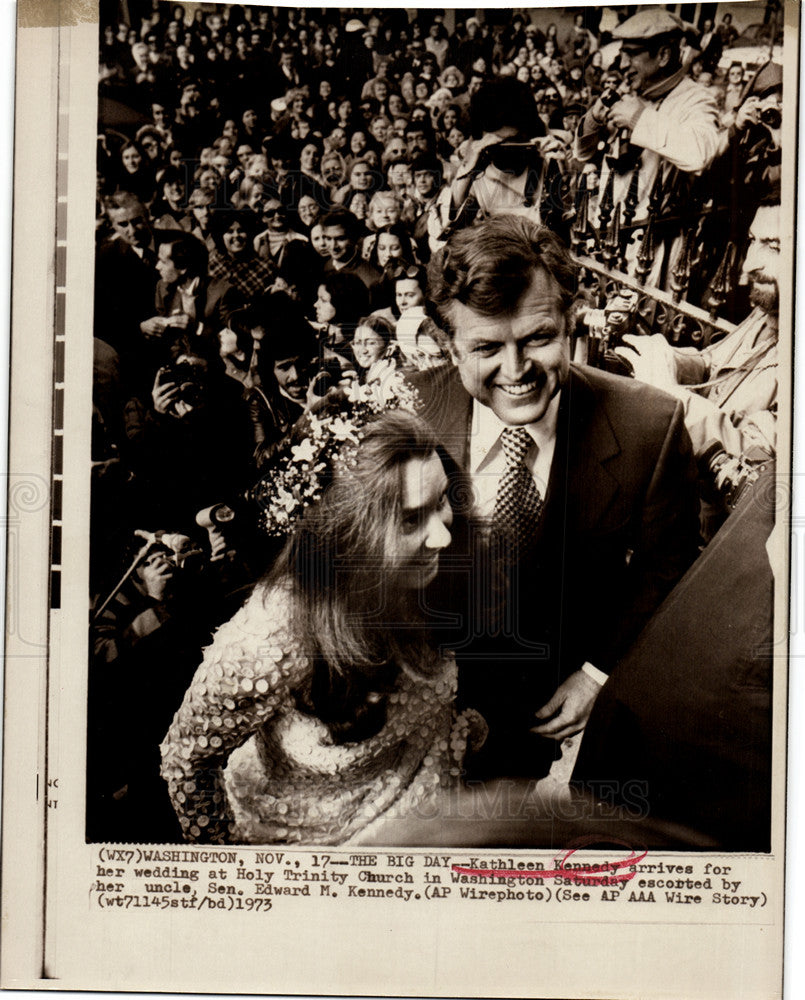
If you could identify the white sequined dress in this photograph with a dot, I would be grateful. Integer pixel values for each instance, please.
(245, 765)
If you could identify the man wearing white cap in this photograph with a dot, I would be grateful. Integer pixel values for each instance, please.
(671, 120)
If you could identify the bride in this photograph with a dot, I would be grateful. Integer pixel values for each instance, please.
(324, 705)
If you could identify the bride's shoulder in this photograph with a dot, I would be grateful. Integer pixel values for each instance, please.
(265, 617)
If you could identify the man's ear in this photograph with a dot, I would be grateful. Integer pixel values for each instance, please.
(664, 55)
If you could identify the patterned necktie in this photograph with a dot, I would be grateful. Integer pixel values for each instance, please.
(518, 504)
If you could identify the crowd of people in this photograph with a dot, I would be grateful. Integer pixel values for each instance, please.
(307, 214)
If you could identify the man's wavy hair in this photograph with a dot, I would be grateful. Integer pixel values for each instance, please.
(488, 268)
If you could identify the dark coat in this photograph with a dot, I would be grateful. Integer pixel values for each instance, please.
(619, 528)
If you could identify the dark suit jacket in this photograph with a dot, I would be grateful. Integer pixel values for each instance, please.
(618, 529)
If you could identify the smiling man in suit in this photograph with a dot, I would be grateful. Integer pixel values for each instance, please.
(579, 488)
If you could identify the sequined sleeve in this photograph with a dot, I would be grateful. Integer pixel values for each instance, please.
(246, 676)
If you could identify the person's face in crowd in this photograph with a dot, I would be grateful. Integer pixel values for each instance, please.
(455, 137)
(325, 89)
(300, 129)
(388, 248)
(372, 159)
(132, 161)
(244, 154)
(408, 293)
(696, 69)
(523, 74)
(424, 183)
(309, 158)
(381, 90)
(359, 205)
(417, 143)
(474, 84)
(385, 212)
(735, 75)
(396, 105)
(308, 210)
(318, 242)
(325, 312)
(236, 239)
(190, 95)
(159, 115)
(395, 149)
(516, 363)
(367, 346)
(256, 196)
(380, 129)
(281, 166)
(176, 157)
(361, 177)
(249, 118)
(220, 163)
(345, 111)
(259, 170)
(275, 216)
(426, 517)
(328, 51)
(570, 121)
(357, 143)
(298, 105)
(168, 271)
(338, 138)
(449, 119)
(421, 90)
(230, 130)
(399, 176)
(761, 267)
(575, 74)
(183, 56)
(293, 377)
(241, 45)
(340, 244)
(451, 81)
(286, 61)
(150, 146)
(174, 192)
(331, 171)
(131, 225)
(208, 180)
(201, 213)
(641, 68)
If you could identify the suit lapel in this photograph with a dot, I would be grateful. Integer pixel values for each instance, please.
(584, 470)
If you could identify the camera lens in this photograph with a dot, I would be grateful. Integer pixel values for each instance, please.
(772, 117)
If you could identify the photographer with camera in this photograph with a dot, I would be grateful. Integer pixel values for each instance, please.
(659, 123)
(502, 167)
(146, 638)
(192, 444)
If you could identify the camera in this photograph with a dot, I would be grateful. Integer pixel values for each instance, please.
(605, 328)
(189, 377)
(729, 476)
(772, 117)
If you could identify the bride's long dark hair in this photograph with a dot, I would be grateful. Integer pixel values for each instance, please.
(358, 627)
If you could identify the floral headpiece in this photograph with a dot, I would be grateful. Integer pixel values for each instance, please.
(330, 440)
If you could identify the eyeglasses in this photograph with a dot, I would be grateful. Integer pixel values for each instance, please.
(399, 271)
(270, 213)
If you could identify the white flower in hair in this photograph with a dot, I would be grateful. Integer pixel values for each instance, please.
(304, 452)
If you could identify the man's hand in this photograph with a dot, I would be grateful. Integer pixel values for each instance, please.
(652, 359)
(154, 327)
(474, 152)
(573, 700)
(156, 575)
(625, 112)
(164, 395)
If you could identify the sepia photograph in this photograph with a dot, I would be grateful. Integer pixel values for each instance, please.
(405, 527)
